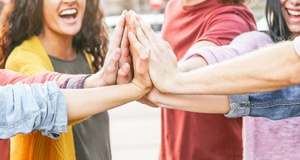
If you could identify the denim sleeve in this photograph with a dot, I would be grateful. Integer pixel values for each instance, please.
(275, 105)
(36, 107)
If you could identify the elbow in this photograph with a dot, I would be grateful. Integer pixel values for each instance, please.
(292, 77)
(293, 80)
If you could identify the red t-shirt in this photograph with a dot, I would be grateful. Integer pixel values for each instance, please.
(195, 136)
(9, 77)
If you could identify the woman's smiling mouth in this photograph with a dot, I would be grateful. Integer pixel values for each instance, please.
(69, 15)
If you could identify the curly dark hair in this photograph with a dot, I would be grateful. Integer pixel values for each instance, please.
(22, 19)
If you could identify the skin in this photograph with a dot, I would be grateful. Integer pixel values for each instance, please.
(58, 29)
(172, 101)
(104, 98)
(101, 98)
(107, 97)
(253, 74)
(4, 1)
(290, 9)
(116, 68)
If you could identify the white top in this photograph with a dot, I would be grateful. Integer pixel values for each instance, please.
(297, 44)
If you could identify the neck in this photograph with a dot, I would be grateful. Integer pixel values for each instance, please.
(294, 35)
(191, 2)
(58, 46)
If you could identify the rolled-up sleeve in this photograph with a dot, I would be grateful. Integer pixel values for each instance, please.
(27, 108)
(275, 105)
(239, 105)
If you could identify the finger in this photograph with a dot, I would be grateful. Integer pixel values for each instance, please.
(140, 56)
(132, 24)
(125, 48)
(147, 30)
(125, 43)
(144, 62)
(127, 16)
(135, 45)
(139, 32)
(124, 74)
(113, 62)
(119, 31)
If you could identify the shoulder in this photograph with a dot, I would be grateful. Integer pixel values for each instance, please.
(29, 54)
(253, 36)
(32, 45)
(232, 8)
(234, 14)
(253, 39)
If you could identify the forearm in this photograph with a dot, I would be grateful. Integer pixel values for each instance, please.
(193, 103)
(267, 69)
(100, 99)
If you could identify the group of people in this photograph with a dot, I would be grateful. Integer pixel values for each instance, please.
(190, 72)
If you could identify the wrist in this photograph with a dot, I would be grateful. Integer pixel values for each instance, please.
(174, 84)
(143, 89)
(92, 82)
(76, 82)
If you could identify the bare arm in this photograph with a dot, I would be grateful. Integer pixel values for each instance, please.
(171, 71)
(213, 104)
(266, 69)
(100, 99)
(193, 103)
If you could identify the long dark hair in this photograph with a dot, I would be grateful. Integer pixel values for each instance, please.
(22, 19)
(278, 29)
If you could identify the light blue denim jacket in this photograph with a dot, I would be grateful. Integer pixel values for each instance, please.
(27, 108)
(274, 105)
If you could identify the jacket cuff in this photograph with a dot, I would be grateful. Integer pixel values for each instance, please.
(239, 105)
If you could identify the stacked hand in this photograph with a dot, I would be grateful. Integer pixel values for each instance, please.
(163, 62)
(116, 68)
(136, 54)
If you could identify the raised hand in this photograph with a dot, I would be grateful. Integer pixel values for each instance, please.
(163, 62)
(140, 61)
(108, 73)
(116, 67)
(124, 73)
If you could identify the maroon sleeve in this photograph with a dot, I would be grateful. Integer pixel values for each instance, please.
(225, 27)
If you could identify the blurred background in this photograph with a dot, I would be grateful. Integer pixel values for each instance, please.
(135, 128)
(115, 7)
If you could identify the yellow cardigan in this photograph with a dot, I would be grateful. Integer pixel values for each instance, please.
(31, 58)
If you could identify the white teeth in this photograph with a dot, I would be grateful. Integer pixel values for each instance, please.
(68, 12)
(294, 13)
